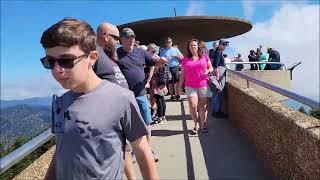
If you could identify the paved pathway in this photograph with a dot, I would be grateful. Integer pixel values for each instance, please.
(222, 153)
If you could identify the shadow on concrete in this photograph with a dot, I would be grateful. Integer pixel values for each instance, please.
(189, 158)
(164, 132)
(180, 100)
(178, 117)
(227, 153)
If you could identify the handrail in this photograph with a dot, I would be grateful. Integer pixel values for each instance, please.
(18, 154)
(256, 62)
(304, 100)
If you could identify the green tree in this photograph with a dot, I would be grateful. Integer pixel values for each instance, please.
(21, 140)
(301, 109)
(315, 113)
(25, 162)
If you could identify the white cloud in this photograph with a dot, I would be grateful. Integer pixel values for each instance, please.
(42, 86)
(195, 8)
(294, 32)
(248, 8)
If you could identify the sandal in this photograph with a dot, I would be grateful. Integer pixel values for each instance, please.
(194, 131)
(204, 130)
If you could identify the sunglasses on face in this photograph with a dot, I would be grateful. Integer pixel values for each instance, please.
(117, 38)
(66, 63)
(168, 42)
(225, 44)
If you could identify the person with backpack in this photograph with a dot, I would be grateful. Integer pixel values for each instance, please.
(161, 77)
(153, 50)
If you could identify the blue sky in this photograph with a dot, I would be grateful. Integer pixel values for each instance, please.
(22, 24)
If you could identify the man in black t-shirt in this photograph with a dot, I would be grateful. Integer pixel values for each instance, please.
(253, 58)
(218, 65)
(106, 66)
(274, 56)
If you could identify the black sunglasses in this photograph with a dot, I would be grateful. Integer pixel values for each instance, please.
(66, 63)
(225, 44)
(113, 36)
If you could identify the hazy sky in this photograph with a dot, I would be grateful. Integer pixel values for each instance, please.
(290, 27)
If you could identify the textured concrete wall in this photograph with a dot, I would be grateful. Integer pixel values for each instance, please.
(287, 140)
(38, 169)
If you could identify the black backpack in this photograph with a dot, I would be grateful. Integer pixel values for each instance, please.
(164, 75)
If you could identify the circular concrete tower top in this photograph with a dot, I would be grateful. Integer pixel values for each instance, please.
(184, 28)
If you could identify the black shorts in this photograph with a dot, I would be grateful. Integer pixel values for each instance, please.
(175, 71)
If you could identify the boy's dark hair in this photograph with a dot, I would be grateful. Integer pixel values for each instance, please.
(70, 32)
(200, 52)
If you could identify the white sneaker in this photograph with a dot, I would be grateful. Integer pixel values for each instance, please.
(161, 121)
(164, 119)
(155, 156)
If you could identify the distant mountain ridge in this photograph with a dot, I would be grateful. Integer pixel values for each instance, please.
(23, 121)
(35, 101)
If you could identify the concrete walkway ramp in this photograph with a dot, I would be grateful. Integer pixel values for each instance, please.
(222, 153)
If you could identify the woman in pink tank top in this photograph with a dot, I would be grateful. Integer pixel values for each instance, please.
(194, 73)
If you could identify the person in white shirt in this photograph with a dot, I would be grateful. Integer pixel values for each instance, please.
(226, 60)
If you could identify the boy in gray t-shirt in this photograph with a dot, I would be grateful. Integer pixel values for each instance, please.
(93, 120)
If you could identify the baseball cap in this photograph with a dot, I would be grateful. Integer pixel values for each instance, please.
(126, 32)
(144, 47)
(223, 41)
(152, 45)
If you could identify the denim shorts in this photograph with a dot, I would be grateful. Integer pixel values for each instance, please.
(144, 108)
(200, 92)
(175, 71)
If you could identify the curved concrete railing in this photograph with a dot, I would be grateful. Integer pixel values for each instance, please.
(287, 140)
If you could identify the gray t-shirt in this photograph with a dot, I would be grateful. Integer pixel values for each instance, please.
(107, 69)
(91, 130)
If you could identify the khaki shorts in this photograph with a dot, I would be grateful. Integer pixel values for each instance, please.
(200, 92)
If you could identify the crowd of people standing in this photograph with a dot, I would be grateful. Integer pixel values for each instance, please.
(115, 94)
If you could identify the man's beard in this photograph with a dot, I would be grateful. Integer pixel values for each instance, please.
(111, 53)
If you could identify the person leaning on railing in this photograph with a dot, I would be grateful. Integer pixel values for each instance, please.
(274, 56)
(218, 64)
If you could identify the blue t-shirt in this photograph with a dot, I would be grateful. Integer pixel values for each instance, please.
(168, 53)
(132, 65)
